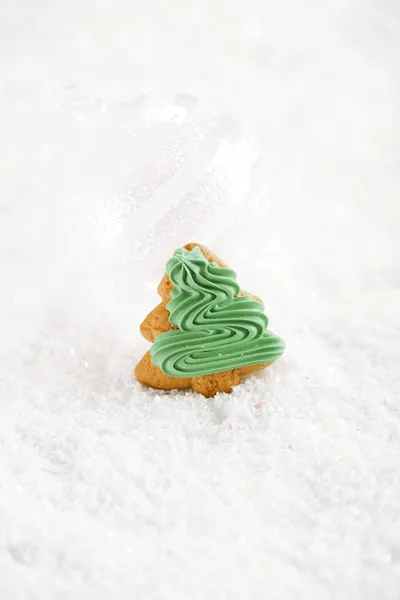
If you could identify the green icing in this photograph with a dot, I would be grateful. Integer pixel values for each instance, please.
(217, 330)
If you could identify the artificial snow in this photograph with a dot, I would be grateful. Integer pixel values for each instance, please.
(290, 486)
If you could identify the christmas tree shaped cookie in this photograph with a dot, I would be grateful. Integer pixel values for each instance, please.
(206, 331)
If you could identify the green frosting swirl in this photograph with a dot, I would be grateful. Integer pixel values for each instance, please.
(217, 330)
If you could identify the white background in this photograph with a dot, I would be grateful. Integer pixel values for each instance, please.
(289, 487)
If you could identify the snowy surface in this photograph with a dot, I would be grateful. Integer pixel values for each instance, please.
(290, 487)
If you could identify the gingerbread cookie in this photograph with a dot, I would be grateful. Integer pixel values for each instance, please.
(207, 332)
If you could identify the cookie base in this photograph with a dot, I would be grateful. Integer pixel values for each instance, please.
(207, 385)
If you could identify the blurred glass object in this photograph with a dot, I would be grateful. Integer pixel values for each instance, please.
(161, 172)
